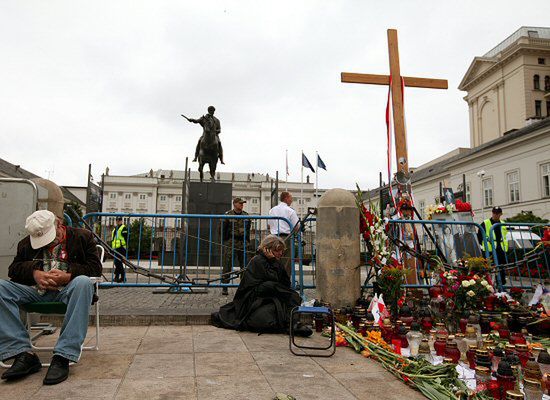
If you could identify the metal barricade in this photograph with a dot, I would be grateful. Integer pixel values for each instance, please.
(526, 263)
(418, 240)
(187, 250)
(306, 254)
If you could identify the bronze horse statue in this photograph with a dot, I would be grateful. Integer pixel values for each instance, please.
(209, 147)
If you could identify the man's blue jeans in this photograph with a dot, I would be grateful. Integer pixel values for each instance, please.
(14, 338)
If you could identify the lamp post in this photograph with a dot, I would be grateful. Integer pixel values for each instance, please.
(480, 175)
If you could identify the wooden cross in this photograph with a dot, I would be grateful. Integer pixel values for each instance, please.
(397, 96)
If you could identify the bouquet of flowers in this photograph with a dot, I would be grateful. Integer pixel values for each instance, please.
(434, 209)
(374, 232)
(463, 206)
(390, 283)
(474, 265)
(472, 292)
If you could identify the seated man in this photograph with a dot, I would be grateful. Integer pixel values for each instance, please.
(264, 298)
(53, 264)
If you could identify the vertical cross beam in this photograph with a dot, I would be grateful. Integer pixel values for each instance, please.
(401, 153)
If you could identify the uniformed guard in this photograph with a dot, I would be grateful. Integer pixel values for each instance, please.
(119, 238)
(498, 237)
(235, 234)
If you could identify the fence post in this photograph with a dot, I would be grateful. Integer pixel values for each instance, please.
(337, 268)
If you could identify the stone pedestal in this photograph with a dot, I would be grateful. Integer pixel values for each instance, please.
(338, 253)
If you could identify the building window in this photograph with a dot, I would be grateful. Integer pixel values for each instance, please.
(512, 179)
(112, 195)
(142, 196)
(163, 198)
(468, 193)
(422, 208)
(547, 83)
(538, 108)
(254, 201)
(545, 174)
(178, 198)
(127, 196)
(548, 108)
(542, 61)
(536, 82)
(487, 192)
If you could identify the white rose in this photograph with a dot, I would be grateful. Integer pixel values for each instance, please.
(472, 282)
(491, 289)
(484, 282)
(465, 283)
(471, 293)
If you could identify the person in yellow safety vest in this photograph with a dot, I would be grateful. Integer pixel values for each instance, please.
(119, 237)
(499, 238)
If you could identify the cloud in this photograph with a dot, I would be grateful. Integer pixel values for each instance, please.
(105, 82)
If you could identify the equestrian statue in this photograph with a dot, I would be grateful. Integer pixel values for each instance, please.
(209, 147)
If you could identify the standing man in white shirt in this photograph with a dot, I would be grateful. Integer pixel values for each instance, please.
(281, 228)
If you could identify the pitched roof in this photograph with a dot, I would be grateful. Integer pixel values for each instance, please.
(15, 171)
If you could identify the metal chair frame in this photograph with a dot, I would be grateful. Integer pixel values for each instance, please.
(312, 310)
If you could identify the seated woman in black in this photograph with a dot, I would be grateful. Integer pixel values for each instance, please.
(264, 298)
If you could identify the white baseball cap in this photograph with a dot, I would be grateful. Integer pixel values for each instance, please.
(41, 227)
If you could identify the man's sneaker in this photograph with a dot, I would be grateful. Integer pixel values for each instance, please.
(24, 364)
(58, 371)
(225, 292)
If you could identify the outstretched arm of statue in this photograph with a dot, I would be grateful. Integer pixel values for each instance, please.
(190, 119)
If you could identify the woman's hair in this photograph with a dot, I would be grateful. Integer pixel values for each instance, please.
(272, 242)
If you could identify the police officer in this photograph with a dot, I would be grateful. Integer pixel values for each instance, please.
(498, 237)
(235, 234)
(119, 237)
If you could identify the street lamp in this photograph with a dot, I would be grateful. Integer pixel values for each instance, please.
(480, 175)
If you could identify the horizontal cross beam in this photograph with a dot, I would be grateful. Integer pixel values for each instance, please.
(350, 77)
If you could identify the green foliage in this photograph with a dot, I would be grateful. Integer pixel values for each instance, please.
(529, 217)
(526, 216)
(134, 237)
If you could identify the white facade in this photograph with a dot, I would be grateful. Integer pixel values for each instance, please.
(160, 192)
(508, 164)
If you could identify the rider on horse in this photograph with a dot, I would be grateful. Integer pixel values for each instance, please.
(208, 122)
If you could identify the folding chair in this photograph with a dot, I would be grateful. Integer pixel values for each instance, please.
(58, 308)
(297, 311)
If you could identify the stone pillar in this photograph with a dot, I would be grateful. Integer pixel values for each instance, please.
(338, 275)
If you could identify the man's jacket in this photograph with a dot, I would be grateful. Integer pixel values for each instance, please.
(235, 228)
(81, 255)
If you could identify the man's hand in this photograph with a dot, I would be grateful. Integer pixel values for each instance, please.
(44, 280)
(60, 277)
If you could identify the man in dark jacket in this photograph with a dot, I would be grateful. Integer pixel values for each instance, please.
(235, 235)
(53, 264)
(264, 298)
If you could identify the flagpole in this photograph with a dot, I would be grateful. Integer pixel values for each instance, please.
(286, 172)
(302, 188)
(316, 177)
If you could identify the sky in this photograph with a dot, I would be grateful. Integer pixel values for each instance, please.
(105, 82)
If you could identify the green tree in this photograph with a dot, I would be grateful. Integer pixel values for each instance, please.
(134, 237)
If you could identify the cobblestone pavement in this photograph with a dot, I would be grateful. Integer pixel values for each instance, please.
(204, 362)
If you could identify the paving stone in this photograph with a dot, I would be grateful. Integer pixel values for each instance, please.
(380, 386)
(310, 386)
(280, 363)
(225, 387)
(73, 389)
(161, 366)
(157, 389)
(233, 364)
(219, 340)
